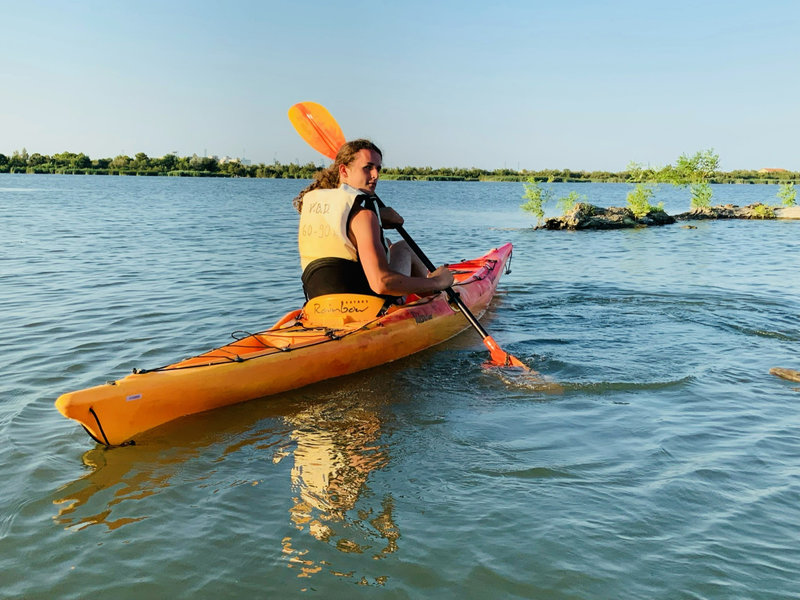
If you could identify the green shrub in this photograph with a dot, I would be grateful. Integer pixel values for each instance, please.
(536, 198)
(639, 200)
(787, 194)
(701, 195)
(762, 211)
(569, 201)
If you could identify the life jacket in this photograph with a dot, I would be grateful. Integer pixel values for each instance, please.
(327, 256)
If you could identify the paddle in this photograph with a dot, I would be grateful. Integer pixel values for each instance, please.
(318, 127)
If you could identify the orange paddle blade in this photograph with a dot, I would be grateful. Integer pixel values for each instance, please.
(317, 127)
(500, 357)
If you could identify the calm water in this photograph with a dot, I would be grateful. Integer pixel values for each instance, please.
(668, 468)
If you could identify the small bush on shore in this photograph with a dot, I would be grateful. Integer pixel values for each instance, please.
(762, 211)
(787, 194)
(701, 195)
(639, 200)
(568, 202)
(536, 197)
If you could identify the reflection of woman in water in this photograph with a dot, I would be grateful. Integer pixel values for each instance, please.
(335, 448)
(335, 453)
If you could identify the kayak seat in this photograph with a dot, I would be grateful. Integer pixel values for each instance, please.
(338, 310)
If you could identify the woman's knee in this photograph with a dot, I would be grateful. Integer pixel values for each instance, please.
(400, 258)
(404, 260)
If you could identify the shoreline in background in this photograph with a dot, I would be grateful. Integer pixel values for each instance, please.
(171, 165)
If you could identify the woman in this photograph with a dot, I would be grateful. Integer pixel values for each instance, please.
(342, 247)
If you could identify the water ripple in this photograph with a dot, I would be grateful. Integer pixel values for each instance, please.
(666, 467)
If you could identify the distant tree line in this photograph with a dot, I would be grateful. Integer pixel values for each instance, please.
(197, 166)
(141, 164)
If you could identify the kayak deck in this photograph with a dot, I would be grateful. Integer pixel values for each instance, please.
(295, 352)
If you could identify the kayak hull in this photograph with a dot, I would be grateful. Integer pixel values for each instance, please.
(293, 354)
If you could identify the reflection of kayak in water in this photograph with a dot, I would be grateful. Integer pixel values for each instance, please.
(331, 336)
(789, 374)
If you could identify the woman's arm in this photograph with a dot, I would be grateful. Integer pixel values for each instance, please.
(365, 234)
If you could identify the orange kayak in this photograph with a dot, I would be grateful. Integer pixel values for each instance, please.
(330, 336)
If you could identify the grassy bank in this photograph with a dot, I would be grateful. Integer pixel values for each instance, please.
(69, 163)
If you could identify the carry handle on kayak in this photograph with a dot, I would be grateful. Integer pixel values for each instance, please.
(499, 356)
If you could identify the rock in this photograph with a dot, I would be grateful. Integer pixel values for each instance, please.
(756, 210)
(787, 212)
(789, 374)
(657, 217)
(588, 216)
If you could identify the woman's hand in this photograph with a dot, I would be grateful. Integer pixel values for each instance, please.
(443, 277)
(390, 219)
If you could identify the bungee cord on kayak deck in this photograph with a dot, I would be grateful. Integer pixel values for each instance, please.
(476, 275)
(225, 356)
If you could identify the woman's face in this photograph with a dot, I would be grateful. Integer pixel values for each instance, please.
(363, 171)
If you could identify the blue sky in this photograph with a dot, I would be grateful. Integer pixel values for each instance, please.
(518, 84)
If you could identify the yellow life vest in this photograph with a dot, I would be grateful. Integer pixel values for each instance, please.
(323, 225)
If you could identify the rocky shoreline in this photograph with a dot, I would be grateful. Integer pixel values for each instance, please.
(584, 216)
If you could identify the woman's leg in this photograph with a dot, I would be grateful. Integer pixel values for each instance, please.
(403, 260)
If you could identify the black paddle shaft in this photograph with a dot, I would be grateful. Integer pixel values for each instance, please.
(451, 294)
